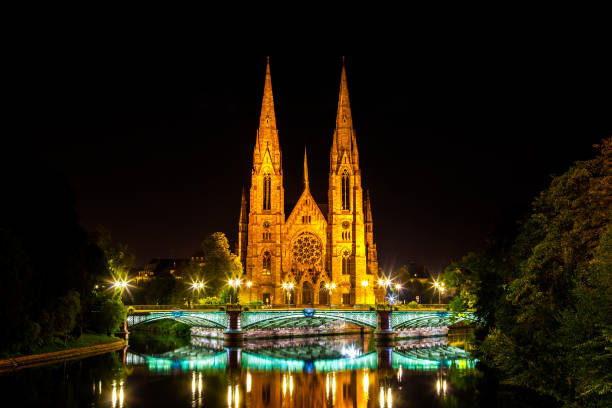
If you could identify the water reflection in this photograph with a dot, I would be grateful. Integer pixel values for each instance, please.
(326, 372)
(312, 372)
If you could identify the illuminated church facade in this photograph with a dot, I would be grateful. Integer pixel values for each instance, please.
(316, 245)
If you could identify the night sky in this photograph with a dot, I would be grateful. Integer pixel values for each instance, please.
(157, 150)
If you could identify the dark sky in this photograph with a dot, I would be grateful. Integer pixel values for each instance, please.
(157, 149)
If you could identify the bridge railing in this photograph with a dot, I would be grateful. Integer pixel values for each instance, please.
(175, 307)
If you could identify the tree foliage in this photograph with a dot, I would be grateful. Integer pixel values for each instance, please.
(220, 264)
(48, 264)
(545, 293)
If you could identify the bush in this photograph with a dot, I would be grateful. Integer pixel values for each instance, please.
(413, 305)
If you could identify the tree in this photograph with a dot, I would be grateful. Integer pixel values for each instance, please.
(544, 293)
(220, 264)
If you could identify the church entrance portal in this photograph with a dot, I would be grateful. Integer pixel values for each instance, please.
(307, 294)
(323, 295)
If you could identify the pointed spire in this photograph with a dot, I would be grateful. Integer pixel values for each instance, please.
(306, 185)
(368, 211)
(344, 118)
(267, 118)
(243, 208)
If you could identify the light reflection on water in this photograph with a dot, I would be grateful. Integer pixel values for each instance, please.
(311, 372)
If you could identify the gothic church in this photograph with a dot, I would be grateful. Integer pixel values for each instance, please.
(316, 244)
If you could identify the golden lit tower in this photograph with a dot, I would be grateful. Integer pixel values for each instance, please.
(267, 202)
(346, 238)
(371, 253)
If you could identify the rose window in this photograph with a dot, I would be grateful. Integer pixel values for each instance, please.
(307, 249)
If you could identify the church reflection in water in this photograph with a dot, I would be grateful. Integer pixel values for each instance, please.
(310, 372)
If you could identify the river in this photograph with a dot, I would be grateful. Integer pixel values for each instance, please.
(333, 371)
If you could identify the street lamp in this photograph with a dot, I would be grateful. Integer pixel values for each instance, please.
(364, 283)
(330, 287)
(234, 283)
(249, 284)
(288, 286)
(439, 286)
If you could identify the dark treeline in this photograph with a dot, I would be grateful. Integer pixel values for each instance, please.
(543, 290)
(49, 265)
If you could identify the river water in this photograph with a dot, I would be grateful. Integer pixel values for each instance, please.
(338, 371)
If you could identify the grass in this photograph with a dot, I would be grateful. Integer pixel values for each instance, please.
(86, 340)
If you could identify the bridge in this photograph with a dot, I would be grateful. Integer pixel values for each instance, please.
(236, 322)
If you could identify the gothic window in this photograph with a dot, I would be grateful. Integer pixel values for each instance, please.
(345, 191)
(267, 191)
(346, 265)
(267, 263)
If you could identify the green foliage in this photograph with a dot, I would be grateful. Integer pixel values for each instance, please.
(545, 292)
(413, 305)
(108, 313)
(211, 300)
(220, 264)
(119, 260)
(229, 295)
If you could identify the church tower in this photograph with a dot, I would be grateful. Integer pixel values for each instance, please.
(266, 209)
(371, 253)
(346, 236)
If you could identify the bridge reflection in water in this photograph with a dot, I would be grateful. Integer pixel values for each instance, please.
(313, 372)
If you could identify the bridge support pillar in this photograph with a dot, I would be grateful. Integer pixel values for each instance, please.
(384, 334)
(233, 336)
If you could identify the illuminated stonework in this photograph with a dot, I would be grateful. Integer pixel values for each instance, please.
(316, 244)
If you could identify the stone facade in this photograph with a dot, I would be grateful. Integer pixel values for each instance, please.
(316, 244)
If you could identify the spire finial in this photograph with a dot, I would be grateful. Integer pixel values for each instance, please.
(343, 118)
(267, 118)
(306, 184)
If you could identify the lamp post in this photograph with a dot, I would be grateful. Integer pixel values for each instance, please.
(364, 283)
(288, 286)
(330, 287)
(439, 286)
(234, 283)
(384, 283)
(249, 284)
(197, 286)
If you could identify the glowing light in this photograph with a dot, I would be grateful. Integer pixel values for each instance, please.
(382, 397)
(381, 282)
(444, 386)
(249, 284)
(389, 398)
(399, 374)
(229, 396)
(236, 396)
(438, 386)
(248, 382)
(284, 385)
(350, 351)
(200, 384)
(364, 283)
(398, 286)
(290, 385)
(193, 384)
(327, 386)
(366, 383)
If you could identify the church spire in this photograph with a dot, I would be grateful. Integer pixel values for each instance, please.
(343, 117)
(267, 118)
(266, 142)
(306, 185)
(243, 209)
(368, 211)
(344, 141)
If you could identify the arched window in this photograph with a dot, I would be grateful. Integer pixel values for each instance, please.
(345, 191)
(346, 266)
(266, 263)
(267, 191)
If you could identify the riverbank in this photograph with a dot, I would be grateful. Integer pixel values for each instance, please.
(87, 345)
